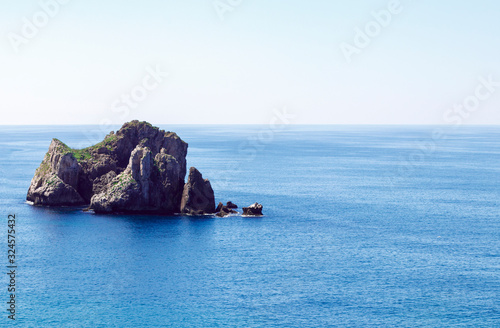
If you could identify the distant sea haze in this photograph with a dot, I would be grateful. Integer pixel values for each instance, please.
(361, 228)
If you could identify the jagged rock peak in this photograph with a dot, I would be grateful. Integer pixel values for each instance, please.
(198, 195)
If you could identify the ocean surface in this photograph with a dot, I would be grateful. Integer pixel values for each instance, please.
(364, 226)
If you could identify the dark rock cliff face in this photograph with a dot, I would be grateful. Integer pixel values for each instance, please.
(198, 196)
(140, 168)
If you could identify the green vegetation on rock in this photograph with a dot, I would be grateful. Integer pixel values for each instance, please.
(88, 154)
(121, 182)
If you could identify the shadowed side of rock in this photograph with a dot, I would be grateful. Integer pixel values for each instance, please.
(198, 195)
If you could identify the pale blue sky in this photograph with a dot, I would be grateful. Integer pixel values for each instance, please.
(265, 54)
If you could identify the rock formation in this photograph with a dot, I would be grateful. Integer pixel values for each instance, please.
(224, 210)
(56, 180)
(253, 210)
(219, 207)
(230, 204)
(140, 169)
(198, 196)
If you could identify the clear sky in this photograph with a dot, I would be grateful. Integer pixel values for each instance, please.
(238, 61)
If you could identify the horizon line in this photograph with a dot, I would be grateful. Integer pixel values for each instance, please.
(250, 124)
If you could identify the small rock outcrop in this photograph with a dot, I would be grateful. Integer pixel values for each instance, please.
(219, 207)
(230, 204)
(138, 169)
(198, 195)
(253, 210)
(224, 210)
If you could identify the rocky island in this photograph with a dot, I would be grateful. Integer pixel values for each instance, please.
(138, 169)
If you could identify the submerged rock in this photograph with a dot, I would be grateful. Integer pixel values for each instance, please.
(198, 195)
(253, 210)
(140, 168)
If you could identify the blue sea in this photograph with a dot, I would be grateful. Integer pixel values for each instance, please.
(364, 226)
